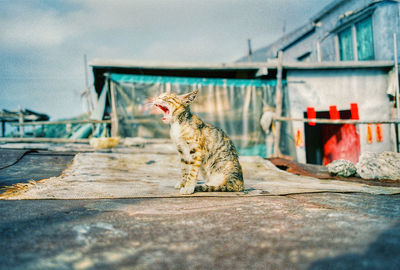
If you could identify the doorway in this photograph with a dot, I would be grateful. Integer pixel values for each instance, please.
(328, 142)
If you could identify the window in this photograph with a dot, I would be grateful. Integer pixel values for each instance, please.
(360, 33)
(346, 45)
(365, 41)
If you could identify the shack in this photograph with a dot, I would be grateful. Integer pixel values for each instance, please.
(341, 90)
(235, 96)
(232, 97)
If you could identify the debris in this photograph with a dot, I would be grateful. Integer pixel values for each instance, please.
(385, 165)
(134, 141)
(342, 167)
(100, 143)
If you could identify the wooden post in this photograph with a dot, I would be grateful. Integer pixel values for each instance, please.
(396, 70)
(278, 104)
(68, 127)
(3, 128)
(114, 116)
(21, 121)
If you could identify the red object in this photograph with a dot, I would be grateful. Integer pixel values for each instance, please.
(354, 111)
(369, 133)
(334, 113)
(311, 114)
(379, 133)
(340, 142)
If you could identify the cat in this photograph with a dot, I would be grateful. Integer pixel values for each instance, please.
(202, 147)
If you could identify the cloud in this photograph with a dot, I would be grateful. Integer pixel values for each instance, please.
(29, 27)
(42, 42)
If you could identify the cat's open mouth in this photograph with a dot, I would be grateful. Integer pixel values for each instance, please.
(164, 109)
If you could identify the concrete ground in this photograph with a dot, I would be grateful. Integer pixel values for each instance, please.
(303, 231)
(310, 231)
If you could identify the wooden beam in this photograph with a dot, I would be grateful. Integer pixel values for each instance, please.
(3, 128)
(328, 121)
(66, 122)
(42, 140)
(21, 121)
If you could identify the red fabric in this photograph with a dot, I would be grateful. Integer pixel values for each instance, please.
(354, 111)
(311, 114)
(340, 142)
(334, 113)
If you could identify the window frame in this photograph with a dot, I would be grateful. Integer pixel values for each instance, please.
(352, 25)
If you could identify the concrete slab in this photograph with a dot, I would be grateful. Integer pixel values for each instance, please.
(140, 175)
(311, 231)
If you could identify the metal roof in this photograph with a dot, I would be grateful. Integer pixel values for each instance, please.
(122, 63)
(270, 64)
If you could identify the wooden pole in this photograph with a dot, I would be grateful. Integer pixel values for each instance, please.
(67, 122)
(396, 70)
(21, 121)
(278, 104)
(114, 116)
(339, 122)
(3, 128)
(42, 140)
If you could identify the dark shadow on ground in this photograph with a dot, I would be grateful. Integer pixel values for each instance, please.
(31, 165)
(383, 253)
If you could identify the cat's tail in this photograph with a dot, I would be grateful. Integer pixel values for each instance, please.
(229, 187)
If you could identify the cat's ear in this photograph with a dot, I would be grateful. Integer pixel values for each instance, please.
(188, 98)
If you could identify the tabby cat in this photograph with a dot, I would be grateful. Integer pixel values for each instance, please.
(202, 147)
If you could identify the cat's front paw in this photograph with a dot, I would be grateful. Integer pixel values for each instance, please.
(187, 190)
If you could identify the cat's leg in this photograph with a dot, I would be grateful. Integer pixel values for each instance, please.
(185, 172)
(195, 163)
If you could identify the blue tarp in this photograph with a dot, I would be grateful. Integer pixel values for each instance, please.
(124, 78)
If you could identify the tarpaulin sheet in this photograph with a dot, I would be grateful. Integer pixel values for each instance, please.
(234, 105)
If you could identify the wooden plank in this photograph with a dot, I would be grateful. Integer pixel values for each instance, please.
(42, 140)
(66, 122)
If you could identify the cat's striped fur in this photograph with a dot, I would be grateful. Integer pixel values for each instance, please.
(202, 147)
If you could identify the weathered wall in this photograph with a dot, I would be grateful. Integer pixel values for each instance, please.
(323, 88)
(385, 22)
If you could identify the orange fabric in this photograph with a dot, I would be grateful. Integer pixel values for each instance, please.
(379, 133)
(369, 133)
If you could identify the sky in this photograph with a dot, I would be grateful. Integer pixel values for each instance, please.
(43, 42)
